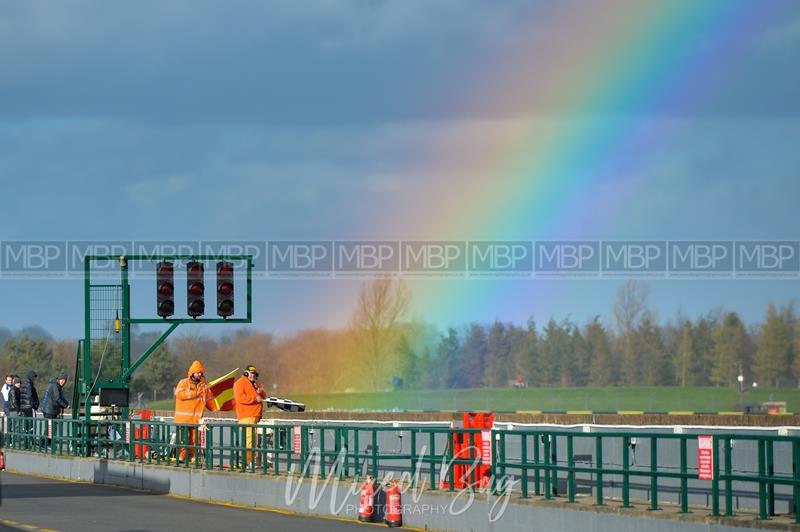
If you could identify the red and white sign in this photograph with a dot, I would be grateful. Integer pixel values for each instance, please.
(296, 440)
(705, 457)
(49, 428)
(127, 432)
(203, 429)
(486, 447)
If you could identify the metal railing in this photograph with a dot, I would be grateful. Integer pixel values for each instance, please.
(542, 462)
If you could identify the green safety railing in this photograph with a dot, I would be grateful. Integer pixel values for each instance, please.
(353, 451)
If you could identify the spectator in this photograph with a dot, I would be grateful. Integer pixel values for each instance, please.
(29, 399)
(248, 396)
(5, 390)
(54, 402)
(192, 396)
(14, 397)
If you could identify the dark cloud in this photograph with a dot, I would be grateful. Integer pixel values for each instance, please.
(323, 62)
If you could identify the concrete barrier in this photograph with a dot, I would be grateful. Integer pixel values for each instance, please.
(427, 510)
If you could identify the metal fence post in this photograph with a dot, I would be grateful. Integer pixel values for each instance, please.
(762, 486)
(536, 476)
(728, 472)
(524, 464)
(796, 484)
(653, 473)
(684, 478)
(598, 451)
(770, 473)
(374, 453)
(626, 495)
(715, 475)
(570, 471)
(548, 494)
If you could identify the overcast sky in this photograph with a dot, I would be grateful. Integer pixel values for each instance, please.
(283, 119)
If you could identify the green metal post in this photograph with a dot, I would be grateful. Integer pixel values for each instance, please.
(249, 288)
(450, 465)
(770, 473)
(524, 447)
(87, 340)
(715, 476)
(796, 484)
(626, 494)
(209, 450)
(126, 326)
(375, 453)
(357, 474)
(554, 464)
(728, 472)
(654, 473)
(414, 458)
(570, 472)
(684, 478)
(322, 452)
(762, 487)
(502, 451)
(536, 477)
(548, 494)
(598, 451)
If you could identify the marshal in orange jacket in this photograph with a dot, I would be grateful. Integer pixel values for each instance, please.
(190, 398)
(246, 399)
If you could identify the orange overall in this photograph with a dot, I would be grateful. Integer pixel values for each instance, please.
(191, 398)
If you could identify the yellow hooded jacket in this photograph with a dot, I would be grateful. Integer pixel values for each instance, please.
(191, 399)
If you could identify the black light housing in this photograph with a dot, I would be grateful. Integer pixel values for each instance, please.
(225, 306)
(165, 289)
(195, 289)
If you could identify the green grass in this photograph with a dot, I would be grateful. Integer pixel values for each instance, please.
(655, 399)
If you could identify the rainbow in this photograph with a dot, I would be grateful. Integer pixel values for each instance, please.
(590, 77)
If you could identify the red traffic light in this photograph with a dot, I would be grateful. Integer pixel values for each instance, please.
(225, 289)
(165, 288)
(197, 289)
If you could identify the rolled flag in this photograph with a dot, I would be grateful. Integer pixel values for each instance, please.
(222, 388)
(285, 404)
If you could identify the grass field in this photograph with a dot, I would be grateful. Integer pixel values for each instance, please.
(656, 399)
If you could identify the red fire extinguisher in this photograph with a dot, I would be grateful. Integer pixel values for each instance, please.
(394, 506)
(366, 502)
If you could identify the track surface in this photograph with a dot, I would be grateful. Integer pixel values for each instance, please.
(33, 503)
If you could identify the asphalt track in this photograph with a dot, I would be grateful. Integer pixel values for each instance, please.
(33, 503)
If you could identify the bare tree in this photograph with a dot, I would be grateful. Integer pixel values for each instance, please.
(631, 301)
(382, 304)
(629, 307)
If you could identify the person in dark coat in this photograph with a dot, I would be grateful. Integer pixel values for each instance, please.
(29, 399)
(54, 402)
(14, 397)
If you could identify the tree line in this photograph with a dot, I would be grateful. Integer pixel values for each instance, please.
(381, 348)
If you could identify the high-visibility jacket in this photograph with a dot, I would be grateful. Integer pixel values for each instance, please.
(191, 399)
(246, 399)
